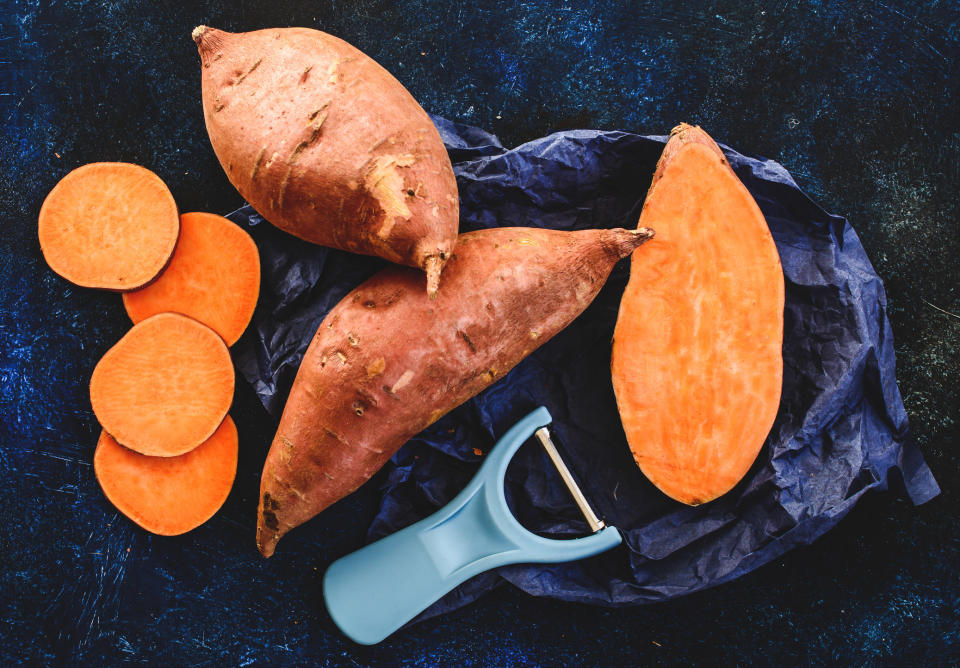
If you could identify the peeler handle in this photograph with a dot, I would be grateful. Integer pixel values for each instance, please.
(374, 591)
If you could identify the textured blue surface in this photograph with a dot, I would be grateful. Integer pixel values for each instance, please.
(858, 100)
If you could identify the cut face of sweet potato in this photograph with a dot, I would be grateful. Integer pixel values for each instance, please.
(697, 355)
(213, 277)
(109, 225)
(169, 496)
(165, 387)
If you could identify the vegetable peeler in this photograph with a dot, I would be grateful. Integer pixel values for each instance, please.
(374, 591)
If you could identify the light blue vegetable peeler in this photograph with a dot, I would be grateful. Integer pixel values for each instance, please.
(379, 588)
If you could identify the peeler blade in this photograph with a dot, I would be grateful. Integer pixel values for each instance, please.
(594, 522)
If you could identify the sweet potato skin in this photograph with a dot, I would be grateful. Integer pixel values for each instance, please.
(697, 362)
(328, 145)
(387, 361)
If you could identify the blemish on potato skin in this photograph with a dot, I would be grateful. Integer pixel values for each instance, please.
(313, 114)
(270, 505)
(256, 163)
(283, 187)
(376, 367)
(368, 399)
(469, 342)
(385, 183)
(334, 435)
(286, 453)
(269, 502)
(403, 381)
(333, 73)
(243, 76)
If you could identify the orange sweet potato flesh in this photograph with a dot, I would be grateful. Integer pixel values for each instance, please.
(697, 359)
(169, 496)
(328, 145)
(165, 387)
(213, 277)
(110, 225)
(387, 360)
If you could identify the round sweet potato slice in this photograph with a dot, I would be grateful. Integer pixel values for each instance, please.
(110, 225)
(165, 387)
(169, 496)
(213, 277)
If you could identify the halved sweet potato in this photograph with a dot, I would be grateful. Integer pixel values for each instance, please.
(697, 362)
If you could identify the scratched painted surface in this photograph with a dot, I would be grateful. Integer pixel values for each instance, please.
(857, 99)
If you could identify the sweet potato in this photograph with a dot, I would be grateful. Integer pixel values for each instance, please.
(165, 387)
(387, 360)
(169, 496)
(327, 145)
(109, 225)
(697, 354)
(213, 277)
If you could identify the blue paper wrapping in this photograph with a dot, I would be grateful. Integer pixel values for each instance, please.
(841, 429)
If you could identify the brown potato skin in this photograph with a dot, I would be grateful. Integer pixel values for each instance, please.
(387, 361)
(328, 145)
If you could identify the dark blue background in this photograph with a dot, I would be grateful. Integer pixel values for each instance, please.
(858, 100)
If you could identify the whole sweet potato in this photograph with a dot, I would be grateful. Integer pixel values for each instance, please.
(387, 360)
(328, 145)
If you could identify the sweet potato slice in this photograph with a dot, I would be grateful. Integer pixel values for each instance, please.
(697, 354)
(165, 387)
(109, 225)
(169, 496)
(213, 277)
(387, 361)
